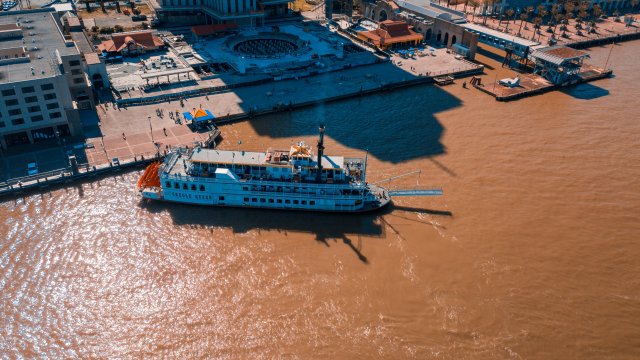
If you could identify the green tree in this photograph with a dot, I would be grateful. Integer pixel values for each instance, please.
(144, 25)
(95, 28)
(118, 28)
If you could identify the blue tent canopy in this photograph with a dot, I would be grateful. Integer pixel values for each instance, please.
(198, 116)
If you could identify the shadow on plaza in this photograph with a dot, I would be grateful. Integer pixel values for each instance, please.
(394, 126)
(328, 228)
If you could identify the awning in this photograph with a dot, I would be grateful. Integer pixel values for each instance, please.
(198, 115)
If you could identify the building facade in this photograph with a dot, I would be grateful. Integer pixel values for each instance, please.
(242, 12)
(437, 24)
(43, 84)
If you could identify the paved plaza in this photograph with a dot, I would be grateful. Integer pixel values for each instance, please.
(135, 132)
(134, 121)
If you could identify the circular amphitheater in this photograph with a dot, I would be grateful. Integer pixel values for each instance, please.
(266, 45)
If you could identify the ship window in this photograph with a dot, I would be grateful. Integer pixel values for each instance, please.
(262, 200)
(185, 187)
(312, 202)
(176, 185)
(245, 188)
(201, 187)
(246, 199)
(193, 187)
(168, 184)
(287, 201)
(279, 201)
(271, 201)
(254, 200)
(221, 198)
(295, 202)
(304, 202)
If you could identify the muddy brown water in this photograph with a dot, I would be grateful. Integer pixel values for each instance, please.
(533, 252)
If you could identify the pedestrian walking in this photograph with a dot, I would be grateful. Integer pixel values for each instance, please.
(124, 137)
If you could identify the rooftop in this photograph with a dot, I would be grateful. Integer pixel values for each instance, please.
(499, 35)
(558, 54)
(425, 7)
(253, 158)
(392, 32)
(119, 41)
(41, 38)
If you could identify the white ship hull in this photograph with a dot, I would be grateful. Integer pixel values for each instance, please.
(269, 195)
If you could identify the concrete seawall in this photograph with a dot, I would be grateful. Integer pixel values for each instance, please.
(63, 177)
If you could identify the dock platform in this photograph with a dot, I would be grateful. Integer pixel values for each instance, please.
(532, 84)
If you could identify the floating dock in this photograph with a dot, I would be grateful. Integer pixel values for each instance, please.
(532, 84)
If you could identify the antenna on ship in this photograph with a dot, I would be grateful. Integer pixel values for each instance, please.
(364, 170)
(320, 152)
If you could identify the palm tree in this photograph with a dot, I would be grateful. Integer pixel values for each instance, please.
(474, 4)
(509, 13)
(569, 7)
(596, 11)
(558, 19)
(523, 16)
(484, 11)
(536, 25)
(542, 11)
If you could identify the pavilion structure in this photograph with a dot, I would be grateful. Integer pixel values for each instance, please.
(392, 34)
(558, 64)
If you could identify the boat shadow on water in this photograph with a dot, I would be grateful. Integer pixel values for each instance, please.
(326, 227)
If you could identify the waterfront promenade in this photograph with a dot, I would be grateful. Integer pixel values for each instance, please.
(129, 133)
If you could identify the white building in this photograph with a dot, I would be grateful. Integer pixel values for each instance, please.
(42, 79)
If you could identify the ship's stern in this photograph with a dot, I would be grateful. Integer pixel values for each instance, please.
(149, 185)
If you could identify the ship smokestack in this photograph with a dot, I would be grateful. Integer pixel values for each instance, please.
(320, 153)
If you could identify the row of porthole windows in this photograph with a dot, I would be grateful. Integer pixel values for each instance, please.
(176, 185)
(279, 201)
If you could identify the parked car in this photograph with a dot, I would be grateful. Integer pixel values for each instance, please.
(32, 168)
(139, 17)
(115, 161)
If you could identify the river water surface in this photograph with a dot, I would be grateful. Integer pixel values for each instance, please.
(532, 253)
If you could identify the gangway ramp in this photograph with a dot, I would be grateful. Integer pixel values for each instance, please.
(416, 192)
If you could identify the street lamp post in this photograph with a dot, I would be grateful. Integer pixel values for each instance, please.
(151, 128)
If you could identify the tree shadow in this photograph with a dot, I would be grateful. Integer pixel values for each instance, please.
(394, 126)
(586, 91)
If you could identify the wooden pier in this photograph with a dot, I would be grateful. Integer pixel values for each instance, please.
(532, 84)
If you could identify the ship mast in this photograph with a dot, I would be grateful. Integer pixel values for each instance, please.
(320, 153)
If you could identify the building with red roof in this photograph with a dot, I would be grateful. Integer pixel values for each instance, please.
(131, 43)
(391, 34)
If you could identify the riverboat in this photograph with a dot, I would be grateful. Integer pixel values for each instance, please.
(291, 179)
